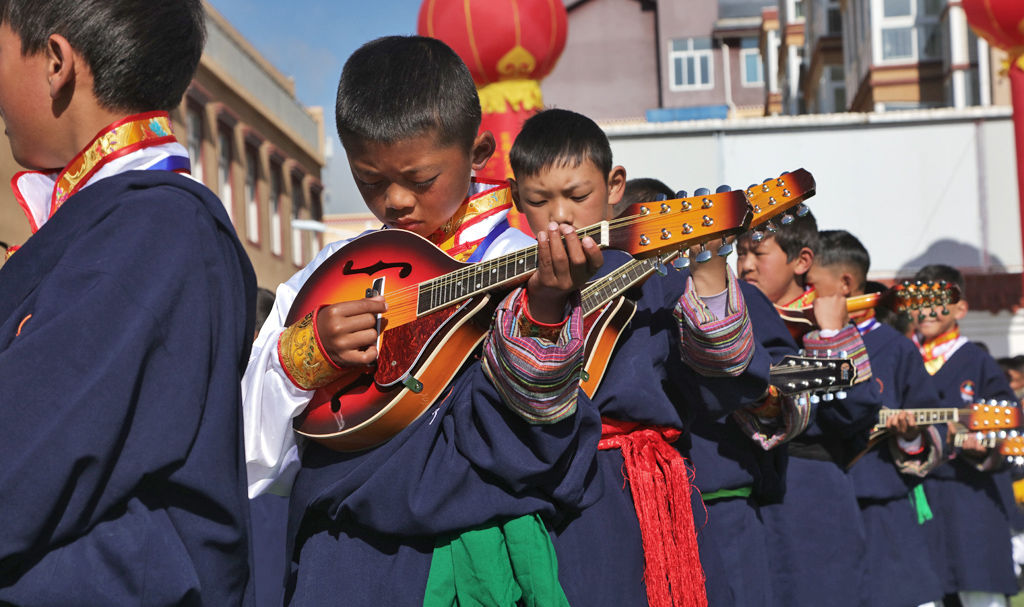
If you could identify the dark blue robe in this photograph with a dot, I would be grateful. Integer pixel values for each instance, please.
(724, 458)
(972, 530)
(899, 566)
(123, 480)
(600, 554)
(363, 525)
(816, 533)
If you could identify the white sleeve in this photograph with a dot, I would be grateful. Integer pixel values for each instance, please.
(270, 401)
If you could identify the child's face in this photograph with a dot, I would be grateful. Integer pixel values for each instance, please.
(25, 103)
(415, 184)
(566, 195)
(930, 328)
(764, 265)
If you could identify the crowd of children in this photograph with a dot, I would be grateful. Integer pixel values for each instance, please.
(685, 478)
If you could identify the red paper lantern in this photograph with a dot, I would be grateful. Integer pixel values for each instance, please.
(509, 46)
(1001, 24)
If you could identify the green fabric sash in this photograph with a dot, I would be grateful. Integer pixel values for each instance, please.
(496, 565)
(920, 503)
(724, 493)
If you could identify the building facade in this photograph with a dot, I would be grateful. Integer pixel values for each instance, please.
(251, 142)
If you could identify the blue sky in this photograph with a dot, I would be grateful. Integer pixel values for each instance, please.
(310, 41)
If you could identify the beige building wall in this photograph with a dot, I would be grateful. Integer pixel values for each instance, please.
(246, 114)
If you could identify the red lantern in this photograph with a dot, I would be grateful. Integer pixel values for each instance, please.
(509, 46)
(1001, 24)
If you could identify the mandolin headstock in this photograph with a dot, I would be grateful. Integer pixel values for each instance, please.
(826, 376)
(920, 297)
(774, 199)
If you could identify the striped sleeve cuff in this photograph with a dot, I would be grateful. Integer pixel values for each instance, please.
(913, 464)
(847, 340)
(794, 413)
(715, 347)
(538, 378)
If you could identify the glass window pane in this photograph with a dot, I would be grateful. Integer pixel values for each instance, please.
(896, 8)
(750, 74)
(705, 71)
(897, 43)
(678, 81)
(931, 40)
(931, 7)
(689, 71)
(681, 45)
(701, 44)
(749, 43)
(798, 9)
(835, 22)
(839, 99)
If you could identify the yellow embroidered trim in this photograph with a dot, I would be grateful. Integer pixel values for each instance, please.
(446, 236)
(303, 360)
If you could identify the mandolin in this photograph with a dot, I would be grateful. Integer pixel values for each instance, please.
(605, 322)
(982, 416)
(904, 298)
(439, 312)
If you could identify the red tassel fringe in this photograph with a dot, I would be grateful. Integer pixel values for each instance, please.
(660, 483)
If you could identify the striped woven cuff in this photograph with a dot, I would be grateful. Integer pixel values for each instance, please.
(715, 347)
(913, 465)
(770, 433)
(537, 378)
(847, 341)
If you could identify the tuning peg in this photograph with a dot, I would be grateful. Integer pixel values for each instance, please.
(660, 198)
(787, 219)
(701, 192)
(1002, 434)
(771, 228)
(704, 256)
(841, 395)
(750, 190)
(991, 435)
(815, 399)
(756, 235)
(659, 267)
(683, 261)
(802, 352)
(1019, 460)
(767, 180)
(802, 210)
(722, 189)
(681, 194)
(726, 249)
(828, 397)
(1013, 434)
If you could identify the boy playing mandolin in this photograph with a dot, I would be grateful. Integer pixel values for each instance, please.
(886, 475)
(618, 552)
(970, 540)
(816, 530)
(448, 511)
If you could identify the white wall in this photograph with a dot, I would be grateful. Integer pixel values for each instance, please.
(917, 187)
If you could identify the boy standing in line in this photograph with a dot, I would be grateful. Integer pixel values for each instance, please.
(887, 479)
(690, 337)
(121, 338)
(448, 511)
(816, 532)
(971, 537)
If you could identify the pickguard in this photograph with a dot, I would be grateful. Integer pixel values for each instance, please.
(380, 266)
(400, 347)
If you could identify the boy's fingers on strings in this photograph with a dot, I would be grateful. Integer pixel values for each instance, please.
(544, 262)
(595, 258)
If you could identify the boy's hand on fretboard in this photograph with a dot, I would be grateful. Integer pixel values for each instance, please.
(902, 424)
(561, 270)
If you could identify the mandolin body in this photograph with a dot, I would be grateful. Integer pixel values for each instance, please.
(368, 406)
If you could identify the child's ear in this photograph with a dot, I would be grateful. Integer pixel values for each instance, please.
(60, 69)
(959, 309)
(514, 190)
(804, 261)
(848, 284)
(616, 185)
(483, 149)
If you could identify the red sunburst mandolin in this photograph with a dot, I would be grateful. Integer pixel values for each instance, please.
(434, 321)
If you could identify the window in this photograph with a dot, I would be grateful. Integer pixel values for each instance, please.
(910, 30)
(898, 43)
(750, 58)
(691, 62)
(252, 204)
(835, 21)
(275, 209)
(798, 9)
(835, 88)
(314, 238)
(224, 170)
(896, 8)
(298, 201)
(195, 140)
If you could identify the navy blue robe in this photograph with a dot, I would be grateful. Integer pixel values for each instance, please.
(898, 561)
(972, 530)
(123, 481)
(816, 532)
(363, 525)
(724, 458)
(600, 553)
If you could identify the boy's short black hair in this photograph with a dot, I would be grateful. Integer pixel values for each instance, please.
(559, 138)
(839, 247)
(399, 87)
(642, 189)
(801, 233)
(142, 54)
(938, 272)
